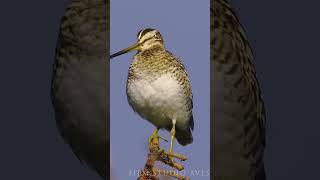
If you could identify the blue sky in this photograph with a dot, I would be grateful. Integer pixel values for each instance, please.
(185, 29)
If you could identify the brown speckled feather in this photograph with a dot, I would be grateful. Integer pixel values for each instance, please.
(149, 66)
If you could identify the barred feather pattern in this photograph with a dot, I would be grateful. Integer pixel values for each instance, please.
(150, 66)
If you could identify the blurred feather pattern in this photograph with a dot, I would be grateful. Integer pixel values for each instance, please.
(80, 92)
(238, 113)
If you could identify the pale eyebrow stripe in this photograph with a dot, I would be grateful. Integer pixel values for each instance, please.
(143, 32)
(139, 34)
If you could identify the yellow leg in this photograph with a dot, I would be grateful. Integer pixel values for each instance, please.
(172, 132)
(153, 135)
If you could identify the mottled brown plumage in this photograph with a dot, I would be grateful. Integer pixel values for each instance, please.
(158, 87)
(238, 113)
(157, 61)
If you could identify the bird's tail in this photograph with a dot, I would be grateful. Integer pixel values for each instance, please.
(184, 136)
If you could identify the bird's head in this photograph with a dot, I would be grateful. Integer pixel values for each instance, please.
(147, 39)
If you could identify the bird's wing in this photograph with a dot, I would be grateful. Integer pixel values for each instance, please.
(184, 79)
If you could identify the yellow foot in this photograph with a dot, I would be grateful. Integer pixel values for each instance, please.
(178, 156)
(155, 135)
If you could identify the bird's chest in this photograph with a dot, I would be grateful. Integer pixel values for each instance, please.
(156, 99)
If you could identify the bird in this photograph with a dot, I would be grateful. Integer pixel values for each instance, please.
(158, 87)
(237, 110)
(79, 87)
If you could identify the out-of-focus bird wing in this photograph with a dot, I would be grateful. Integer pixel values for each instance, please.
(238, 113)
(80, 82)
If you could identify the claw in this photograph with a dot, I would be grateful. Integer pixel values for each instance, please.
(164, 139)
(158, 154)
(178, 156)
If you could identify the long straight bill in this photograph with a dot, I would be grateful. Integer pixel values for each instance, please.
(131, 48)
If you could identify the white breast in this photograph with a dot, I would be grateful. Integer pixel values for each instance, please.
(158, 101)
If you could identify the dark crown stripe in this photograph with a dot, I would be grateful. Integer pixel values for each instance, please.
(143, 32)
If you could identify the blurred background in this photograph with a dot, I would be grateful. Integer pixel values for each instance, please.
(285, 39)
(32, 147)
